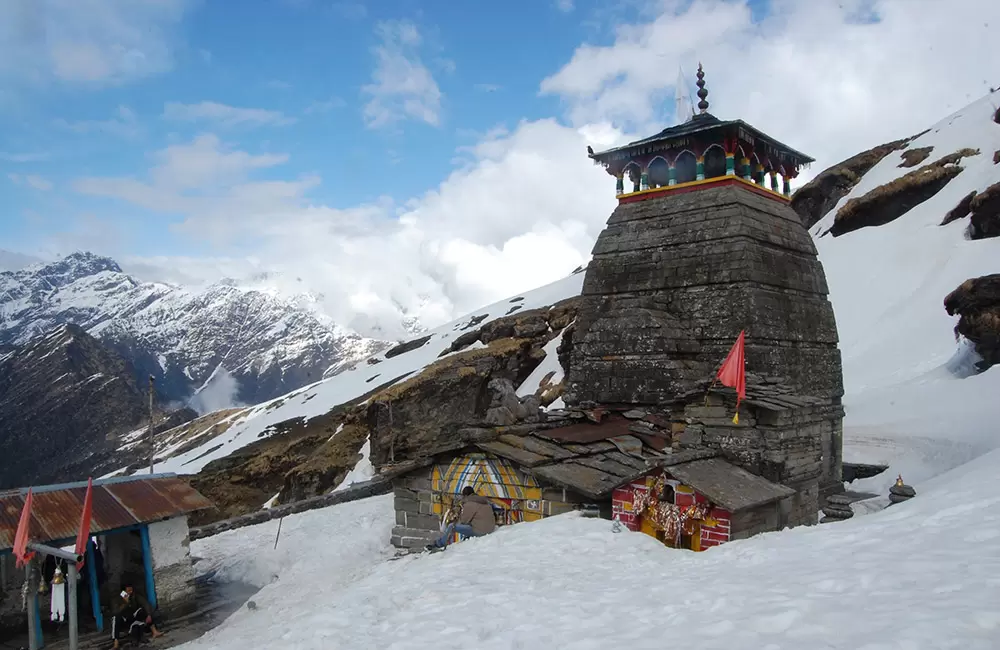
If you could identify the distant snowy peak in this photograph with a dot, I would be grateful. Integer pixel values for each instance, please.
(269, 343)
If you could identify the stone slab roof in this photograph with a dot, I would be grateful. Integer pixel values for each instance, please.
(731, 487)
(591, 459)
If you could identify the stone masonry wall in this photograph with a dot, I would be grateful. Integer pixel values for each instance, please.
(170, 546)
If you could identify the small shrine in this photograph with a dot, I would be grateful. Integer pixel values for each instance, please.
(702, 150)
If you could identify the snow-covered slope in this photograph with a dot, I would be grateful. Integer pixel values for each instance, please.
(268, 343)
(887, 285)
(251, 424)
(918, 575)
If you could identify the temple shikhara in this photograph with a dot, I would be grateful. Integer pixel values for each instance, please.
(702, 262)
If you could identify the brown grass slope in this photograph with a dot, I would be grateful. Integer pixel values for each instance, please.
(821, 194)
(890, 201)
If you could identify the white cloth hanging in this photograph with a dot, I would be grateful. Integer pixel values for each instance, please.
(58, 603)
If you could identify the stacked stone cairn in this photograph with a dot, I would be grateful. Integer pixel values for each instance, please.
(900, 492)
(837, 508)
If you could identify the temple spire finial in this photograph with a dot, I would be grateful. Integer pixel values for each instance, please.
(702, 93)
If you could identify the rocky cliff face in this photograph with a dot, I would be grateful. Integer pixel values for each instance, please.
(269, 345)
(64, 402)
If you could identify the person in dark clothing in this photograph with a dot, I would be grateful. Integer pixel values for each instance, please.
(475, 520)
(132, 616)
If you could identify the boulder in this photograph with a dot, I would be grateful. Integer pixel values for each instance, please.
(977, 304)
(961, 210)
(985, 208)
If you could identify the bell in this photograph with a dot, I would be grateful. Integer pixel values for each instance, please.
(43, 587)
(57, 577)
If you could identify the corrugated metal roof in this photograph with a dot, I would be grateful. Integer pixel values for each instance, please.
(117, 503)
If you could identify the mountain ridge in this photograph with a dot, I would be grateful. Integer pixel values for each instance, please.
(267, 342)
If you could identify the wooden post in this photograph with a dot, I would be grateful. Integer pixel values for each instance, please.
(74, 628)
(147, 561)
(152, 446)
(39, 638)
(95, 593)
(34, 624)
(278, 534)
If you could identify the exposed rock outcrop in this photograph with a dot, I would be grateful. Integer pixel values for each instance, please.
(977, 303)
(913, 157)
(888, 202)
(305, 459)
(961, 210)
(821, 194)
(985, 208)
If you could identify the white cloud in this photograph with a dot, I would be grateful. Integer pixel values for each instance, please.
(124, 124)
(31, 180)
(813, 75)
(203, 177)
(486, 88)
(23, 157)
(524, 212)
(565, 6)
(87, 41)
(402, 87)
(223, 114)
(324, 106)
(525, 204)
(350, 9)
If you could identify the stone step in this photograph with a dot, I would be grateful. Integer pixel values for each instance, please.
(403, 537)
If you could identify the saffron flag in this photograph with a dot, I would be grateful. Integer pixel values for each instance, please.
(733, 374)
(83, 535)
(21, 536)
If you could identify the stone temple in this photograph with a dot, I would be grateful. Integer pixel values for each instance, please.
(699, 250)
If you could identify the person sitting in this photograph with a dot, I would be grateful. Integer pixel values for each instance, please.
(132, 615)
(475, 520)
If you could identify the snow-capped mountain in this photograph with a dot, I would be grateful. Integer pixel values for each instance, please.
(268, 343)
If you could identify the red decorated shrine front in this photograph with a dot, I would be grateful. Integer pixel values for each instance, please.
(680, 517)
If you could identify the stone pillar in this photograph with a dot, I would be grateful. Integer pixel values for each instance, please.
(700, 168)
(774, 181)
(787, 189)
(747, 173)
(644, 179)
(671, 175)
(619, 185)
(730, 164)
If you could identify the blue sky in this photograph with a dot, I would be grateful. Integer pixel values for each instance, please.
(306, 63)
(420, 158)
